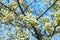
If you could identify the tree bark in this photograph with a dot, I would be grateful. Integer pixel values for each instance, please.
(38, 34)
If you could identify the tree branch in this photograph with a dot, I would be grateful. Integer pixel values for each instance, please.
(20, 7)
(2, 14)
(39, 37)
(8, 8)
(38, 34)
(47, 9)
(54, 30)
(29, 5)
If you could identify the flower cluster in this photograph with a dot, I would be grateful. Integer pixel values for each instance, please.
(13, 5)
(30, 19)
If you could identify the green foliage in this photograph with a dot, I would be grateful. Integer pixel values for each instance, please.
(58, 29)
(13, 5)
(22, 22)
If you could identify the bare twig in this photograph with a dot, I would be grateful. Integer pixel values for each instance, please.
(7, 7)
(29, 5)
(20, 7)
(39, 37)
(47, 9)
(2, 14)
(38, 34)
(54, 30)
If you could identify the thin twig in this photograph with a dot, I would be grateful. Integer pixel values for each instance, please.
(2, 14)
(7, 7)
(29, 5)
(54, 30)
(47, 9)
(20, 7)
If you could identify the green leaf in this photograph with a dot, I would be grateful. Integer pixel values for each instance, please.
(26, 39)
(58, 23)
(58, 29)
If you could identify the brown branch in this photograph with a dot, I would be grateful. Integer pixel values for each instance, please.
(25, 8)
(20, 7)
(39, 37)
(38, 34)
(8, 8)
(29, 5)
(4, 22)
(2, 14)
(47, 9)
(54, 30)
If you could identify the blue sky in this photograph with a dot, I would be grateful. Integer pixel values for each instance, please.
(38, 5)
